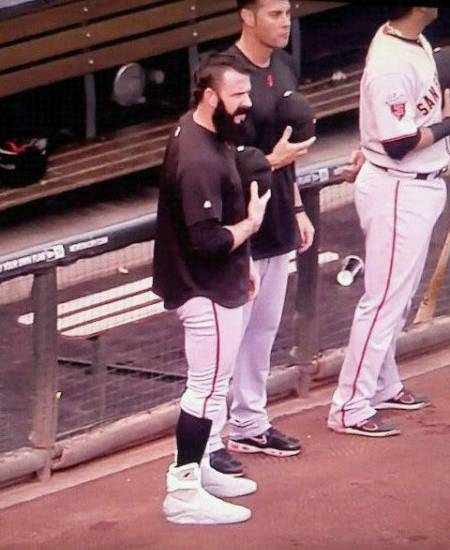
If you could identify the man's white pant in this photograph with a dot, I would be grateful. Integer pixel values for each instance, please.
(261, 320)
(212, 337)
(397, 216)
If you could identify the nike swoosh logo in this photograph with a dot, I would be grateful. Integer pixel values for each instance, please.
(262, 440)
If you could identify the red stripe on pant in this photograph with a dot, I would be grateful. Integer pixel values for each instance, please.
(216, 370)
(380, 307)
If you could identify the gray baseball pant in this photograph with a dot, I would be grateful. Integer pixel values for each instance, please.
(248, 413)
(212, 338)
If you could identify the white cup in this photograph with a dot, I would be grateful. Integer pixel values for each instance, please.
(351, 267)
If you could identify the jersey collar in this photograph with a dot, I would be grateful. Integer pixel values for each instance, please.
(392, 31)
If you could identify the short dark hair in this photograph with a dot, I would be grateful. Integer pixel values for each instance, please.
(241, 4)
(210, 72)
(246, 4)
(394, 12)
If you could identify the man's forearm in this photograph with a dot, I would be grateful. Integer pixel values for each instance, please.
(298, 203)
(434, 133)
(242, 231)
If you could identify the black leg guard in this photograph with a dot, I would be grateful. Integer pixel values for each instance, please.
(192, 436)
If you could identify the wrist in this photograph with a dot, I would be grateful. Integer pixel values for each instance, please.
(299, 209)
(252, 225)
(273, 161)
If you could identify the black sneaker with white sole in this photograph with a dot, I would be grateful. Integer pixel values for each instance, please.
(271, 442)
(223, 462)
(405, 400)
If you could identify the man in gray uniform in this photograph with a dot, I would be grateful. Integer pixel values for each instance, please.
(286, 227)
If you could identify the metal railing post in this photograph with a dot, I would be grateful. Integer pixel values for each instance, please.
(91, 106)
(306, 319)
(44, 298)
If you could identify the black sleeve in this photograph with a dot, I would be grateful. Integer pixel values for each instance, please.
(200, 187)
(440, 130)
(209, 239)
(399, 148)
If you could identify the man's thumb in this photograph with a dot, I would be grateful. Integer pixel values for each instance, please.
(253, 190)
(287, 133)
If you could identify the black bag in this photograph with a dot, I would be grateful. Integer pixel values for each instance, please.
(22, 163)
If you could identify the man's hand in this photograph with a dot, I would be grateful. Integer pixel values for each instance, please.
(350, 171)
(307, 231)
(446, 106)
(254, 282)
(257, 206)
(256, 209)
(285, 153)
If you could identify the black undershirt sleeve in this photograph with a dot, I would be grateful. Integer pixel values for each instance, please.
(399, 148)
(209, 239)
(440, 130)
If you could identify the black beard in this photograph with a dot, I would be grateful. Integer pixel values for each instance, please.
(227, 129)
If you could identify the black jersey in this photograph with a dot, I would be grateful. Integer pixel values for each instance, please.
(279, 231)
(199, 182)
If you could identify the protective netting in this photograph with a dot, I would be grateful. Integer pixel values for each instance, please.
(120, 353)
(17, 381)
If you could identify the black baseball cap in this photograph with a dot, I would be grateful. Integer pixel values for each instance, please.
(294, 110)
(252, 165)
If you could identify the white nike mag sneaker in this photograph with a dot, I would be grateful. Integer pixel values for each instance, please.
(188, 502)
(222, 485)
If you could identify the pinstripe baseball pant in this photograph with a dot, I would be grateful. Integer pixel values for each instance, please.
(397, 216)
(212, 338)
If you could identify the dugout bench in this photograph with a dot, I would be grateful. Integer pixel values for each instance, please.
(79, 38)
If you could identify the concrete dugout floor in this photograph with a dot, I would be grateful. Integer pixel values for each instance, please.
(343, 492)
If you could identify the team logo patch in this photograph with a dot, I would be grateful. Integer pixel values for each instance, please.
(398, 110)
(269, 80)
(207, 204)
(397, 102)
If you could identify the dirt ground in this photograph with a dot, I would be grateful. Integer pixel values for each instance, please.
(343, 492)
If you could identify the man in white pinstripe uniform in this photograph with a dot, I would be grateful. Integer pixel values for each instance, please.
(400, 194)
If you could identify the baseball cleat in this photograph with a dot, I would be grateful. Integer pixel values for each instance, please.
(371, 427)
(188, 503)
(271, 442)
(223, 462)
(405, 400)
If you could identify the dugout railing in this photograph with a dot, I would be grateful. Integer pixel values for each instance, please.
(90, 370)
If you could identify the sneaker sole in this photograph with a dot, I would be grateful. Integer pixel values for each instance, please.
(250, 449)
(401, 407)
(196, 517)
(355, 431)
(207, 521)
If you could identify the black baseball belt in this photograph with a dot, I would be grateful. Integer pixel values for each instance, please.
(413, 175)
